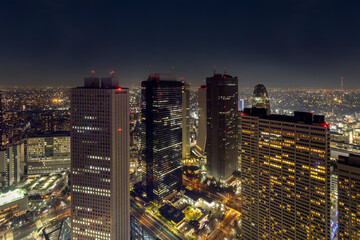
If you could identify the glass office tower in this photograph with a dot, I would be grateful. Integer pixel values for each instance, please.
(261, 98)
(162, 135)
(222, 125)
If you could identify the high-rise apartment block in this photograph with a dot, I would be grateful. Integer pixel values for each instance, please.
(349, 197)
(285, 176)
(162, 135)
(100, 198)
(222, 125)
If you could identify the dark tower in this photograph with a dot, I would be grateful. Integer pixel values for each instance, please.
(261, 98)
(162, 135)
(222, 125)
(1, 120)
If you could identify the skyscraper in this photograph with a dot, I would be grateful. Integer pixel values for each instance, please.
(186, 141)
(12, 160)
(1, 119)
(201, 139)
(100, 198)
(261, 98)
(349, 197)
(222, 125)
(285, 178)
(162, 135)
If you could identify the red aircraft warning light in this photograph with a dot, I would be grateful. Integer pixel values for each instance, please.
(324, 124)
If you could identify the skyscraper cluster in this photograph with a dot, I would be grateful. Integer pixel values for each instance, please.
(285, 160)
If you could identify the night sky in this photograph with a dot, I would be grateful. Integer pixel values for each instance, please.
(288, 43)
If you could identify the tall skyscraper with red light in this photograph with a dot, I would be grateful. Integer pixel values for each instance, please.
(100, 197)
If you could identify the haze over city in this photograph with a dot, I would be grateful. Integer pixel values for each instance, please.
(300, 44)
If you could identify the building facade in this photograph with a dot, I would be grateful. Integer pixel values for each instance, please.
(201, 138)
(285, 176)
(13, 203)
(162, 135)
(100, 197)
(222, 125)
(186, 139)
(349, 196)
(1, 121)
(12, 161)
(47, 153)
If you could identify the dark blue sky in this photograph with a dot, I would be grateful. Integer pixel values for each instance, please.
(281, 43)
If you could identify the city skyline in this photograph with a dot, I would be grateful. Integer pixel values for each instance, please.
(172, 134)
(290, 143)
(279, 44)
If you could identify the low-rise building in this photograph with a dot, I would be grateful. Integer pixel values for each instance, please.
(13, 203)
(47, 153)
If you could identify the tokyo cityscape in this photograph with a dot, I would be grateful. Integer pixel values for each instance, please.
(217, 120)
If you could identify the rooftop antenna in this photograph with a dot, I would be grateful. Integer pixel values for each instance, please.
(342, 83)
(112, 73)
(92, 73)
(149, 68)
(224, 70)
(214, 69)
(173, 69)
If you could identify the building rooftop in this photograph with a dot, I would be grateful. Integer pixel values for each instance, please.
(298, 117)
(101, 83)
(352, 160)
(171, 213)
(51, 134)
(11, 196)
(161, 77)
(194, 195)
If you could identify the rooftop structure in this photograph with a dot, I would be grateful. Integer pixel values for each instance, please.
(195, 196)
(171, 213)
(11, 196)
(12, 204)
